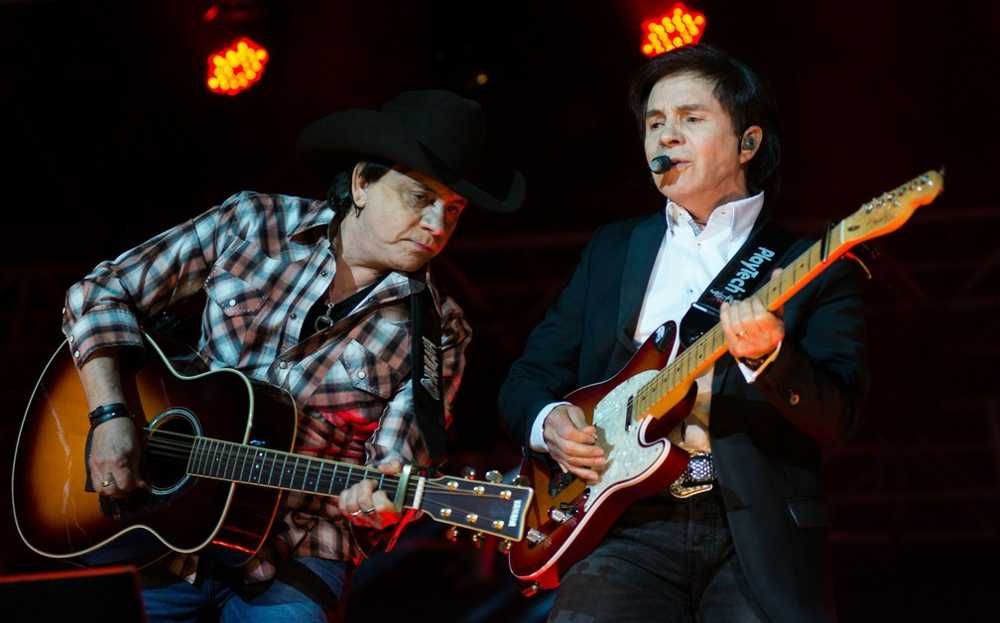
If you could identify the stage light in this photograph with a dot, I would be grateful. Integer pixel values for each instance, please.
(236, 68)
(679, 27)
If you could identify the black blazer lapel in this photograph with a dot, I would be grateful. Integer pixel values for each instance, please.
(644, 243)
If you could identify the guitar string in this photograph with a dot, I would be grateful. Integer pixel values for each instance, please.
(431, 502)
(183, 451)
(187, 449)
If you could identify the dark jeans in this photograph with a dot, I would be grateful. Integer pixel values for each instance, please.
(221, 597)
(666, 560)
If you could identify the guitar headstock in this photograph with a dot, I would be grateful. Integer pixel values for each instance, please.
(888, 212)
(490, 507)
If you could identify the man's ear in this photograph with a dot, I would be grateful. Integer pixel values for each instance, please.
(750, 142)
(359, 185)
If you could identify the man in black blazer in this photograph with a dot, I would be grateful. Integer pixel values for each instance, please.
(741, 535)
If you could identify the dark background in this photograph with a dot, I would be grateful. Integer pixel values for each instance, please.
(110, 136)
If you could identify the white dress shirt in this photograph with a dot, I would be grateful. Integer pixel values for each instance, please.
(689, 258)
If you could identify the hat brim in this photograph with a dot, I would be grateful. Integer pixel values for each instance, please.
(336, 141)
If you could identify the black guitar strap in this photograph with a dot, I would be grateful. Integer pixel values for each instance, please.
(425, 359)
(748, 270)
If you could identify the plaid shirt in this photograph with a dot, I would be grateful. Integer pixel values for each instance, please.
(263, 261)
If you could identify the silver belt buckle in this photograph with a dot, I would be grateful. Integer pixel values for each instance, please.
(681, 491)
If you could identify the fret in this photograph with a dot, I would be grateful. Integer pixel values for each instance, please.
(225, 468)
(259, 464)
(270, 474)
(234, 452)
(206, 457)
(208, 453)
(243, 462)
(381, 481)
(295, 472)
(191, 457)
(197, 461)
(319, 476)
(307, 482)
(284, 470)
(333, 479)
(347, 480)
(212, 466)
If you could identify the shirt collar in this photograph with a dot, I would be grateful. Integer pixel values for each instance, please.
(314, 223)
(735, 217)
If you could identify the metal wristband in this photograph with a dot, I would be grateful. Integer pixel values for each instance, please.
(103, 413)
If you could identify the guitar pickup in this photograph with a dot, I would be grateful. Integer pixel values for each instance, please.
(561, 515)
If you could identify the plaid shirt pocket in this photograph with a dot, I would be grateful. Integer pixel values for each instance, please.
(369, 373)
(233, 295)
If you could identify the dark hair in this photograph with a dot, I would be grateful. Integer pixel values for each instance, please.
(339, 196)
(741, 92)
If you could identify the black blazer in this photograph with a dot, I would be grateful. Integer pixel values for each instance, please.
(766, 437)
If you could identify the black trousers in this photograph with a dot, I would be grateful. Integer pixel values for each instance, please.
(665, 560)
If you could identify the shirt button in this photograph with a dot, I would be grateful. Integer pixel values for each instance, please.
(323, 273)
(362, 374)
(76, 354)
(282, 364)
(232, 302)
(294, 316)
(793, 398)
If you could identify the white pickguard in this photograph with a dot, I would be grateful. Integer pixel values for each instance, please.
(627, 458)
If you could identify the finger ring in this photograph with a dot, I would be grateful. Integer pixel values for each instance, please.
(369, 511)
(356, 513)
(107, 483)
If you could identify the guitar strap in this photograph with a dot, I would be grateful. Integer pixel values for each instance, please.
(748, 270)
(425, 369)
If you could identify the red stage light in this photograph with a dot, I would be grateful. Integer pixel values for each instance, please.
(236, 68)
(679, 27)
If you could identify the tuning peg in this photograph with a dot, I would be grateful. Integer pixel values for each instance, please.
(451, 534)
(477, 539)
(494, 476)
(504, 546)
(469, 472)
(520, 481)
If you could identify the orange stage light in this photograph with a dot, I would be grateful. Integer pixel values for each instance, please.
(679, 27)
(236, 68)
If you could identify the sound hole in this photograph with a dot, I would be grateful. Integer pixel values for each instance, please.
(168, 449)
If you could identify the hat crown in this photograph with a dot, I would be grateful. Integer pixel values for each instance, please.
(449, 126)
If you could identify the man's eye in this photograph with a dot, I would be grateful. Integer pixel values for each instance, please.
(655, 125)
(693, 119)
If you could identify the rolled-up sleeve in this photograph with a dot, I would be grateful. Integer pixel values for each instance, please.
(106, 308)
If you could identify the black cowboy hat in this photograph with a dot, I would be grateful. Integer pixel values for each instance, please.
(437, 133)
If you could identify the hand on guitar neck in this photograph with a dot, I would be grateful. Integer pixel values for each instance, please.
(752, 332)
(365, 506)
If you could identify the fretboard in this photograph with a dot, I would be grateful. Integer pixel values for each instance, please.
(223, 460)
(672, 382)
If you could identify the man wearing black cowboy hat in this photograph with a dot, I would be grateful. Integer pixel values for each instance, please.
(312, 296)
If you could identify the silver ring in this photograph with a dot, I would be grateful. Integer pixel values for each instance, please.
(107, 483)
(369, 511)
(356, 513)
